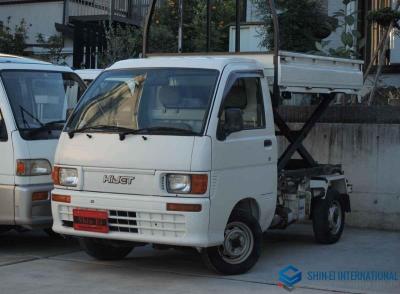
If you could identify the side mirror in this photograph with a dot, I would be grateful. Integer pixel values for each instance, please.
(286, 95)
(233, 121)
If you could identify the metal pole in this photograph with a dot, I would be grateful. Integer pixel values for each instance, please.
(146, 28)
(208, 33)
(237, 31)
(276, 94)
(180, 30)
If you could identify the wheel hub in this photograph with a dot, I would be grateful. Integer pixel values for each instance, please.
(335, 217)
(238, 243)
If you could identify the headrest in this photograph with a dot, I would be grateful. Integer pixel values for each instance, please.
(236, 98)
(170, 96)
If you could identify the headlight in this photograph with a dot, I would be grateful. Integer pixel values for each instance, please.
(33, 167)
(178, 183)
(187, 184)
(65, 176)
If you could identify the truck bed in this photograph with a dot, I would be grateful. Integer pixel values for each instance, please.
(303, 73)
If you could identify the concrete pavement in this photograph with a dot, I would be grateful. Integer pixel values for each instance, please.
(34, 263)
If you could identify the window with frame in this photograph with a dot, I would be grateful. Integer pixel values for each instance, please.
(3, 129)
(246, 94)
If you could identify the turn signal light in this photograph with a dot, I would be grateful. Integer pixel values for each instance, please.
(61, 198)
(199, 184)
(38, 196)
(183, 207)
(55, 175)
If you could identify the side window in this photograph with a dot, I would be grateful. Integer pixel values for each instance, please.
(3, 130)
(246, 94)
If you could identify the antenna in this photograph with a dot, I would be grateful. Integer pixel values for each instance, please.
(146, 28)
(275, 91)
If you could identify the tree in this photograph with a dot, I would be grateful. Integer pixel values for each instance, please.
(54, 45)
(302, 24)
(350, 37)
(165, 25)
(387, 18)
(13, 41)
(122, 42)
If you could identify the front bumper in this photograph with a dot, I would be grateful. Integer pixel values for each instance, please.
(32, 214)
(137, 218)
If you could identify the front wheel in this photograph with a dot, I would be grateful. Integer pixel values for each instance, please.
(241, 247)
(328, 218)
(105, 249)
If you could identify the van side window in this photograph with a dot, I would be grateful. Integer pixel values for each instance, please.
(246, 94)
(3, 130)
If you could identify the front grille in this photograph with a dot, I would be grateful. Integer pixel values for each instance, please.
(122, 221)
(136, 222)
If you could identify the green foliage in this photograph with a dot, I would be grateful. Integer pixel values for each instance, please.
(165, 25)
(13, 41)
(302, 23)
(350, 38)
(385, 16)
(122, 42)
(54, 45)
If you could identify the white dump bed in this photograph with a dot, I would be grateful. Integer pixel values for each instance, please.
(310, 73)
(297, 72)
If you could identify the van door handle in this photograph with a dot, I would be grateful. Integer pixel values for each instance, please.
(268, 143)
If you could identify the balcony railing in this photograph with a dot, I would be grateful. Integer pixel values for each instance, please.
(128, 11)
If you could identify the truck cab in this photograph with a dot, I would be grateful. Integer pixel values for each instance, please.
(182, 151)
(35, 98)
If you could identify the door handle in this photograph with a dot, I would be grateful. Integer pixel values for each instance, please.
(268, 143)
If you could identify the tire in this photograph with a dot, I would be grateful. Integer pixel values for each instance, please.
(105, 249)
(328, 218)
(5, 229)
(52, 234)
(223, 259)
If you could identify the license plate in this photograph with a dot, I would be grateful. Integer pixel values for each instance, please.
(91, 220)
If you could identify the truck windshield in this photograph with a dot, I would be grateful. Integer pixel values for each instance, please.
(41, 100)
(158, 101)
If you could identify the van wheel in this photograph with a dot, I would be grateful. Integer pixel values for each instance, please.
(328, 218)
(52, 234)
(241, 248)
(105, 249)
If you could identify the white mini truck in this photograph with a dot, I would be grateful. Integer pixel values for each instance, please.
(35, 98)
(182, 151)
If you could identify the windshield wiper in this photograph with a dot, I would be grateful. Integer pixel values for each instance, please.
(23, 111)
(151, 130)
(98, 128)
(49, 126)
(54, 123)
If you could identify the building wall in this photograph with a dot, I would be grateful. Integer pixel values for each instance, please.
(370, 155)
(41, 16)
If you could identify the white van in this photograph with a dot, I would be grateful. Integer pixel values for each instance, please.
(88, 75)
(35, 98)
(182, 151)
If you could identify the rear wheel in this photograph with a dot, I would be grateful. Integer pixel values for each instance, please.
(241, 247)
(328, 218)
(105, 249)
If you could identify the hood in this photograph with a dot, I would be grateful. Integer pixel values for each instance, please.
(137, 152)
(141, 161)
